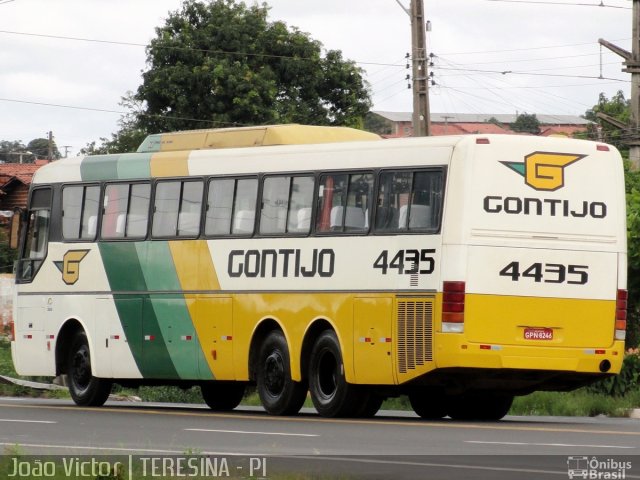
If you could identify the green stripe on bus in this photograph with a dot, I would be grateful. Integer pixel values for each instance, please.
(136, 312)
(99, 167)
(171, 312)
(134, 165)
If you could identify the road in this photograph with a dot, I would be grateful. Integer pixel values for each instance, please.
(391, 445)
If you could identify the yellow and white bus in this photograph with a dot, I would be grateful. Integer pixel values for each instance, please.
(458, 270)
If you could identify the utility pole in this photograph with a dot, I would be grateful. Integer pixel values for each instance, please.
(421, 111)
(632, 66)
(50, 146)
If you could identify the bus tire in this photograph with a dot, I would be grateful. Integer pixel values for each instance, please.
(85, 389)
(369, 406)
(480, 406)
(331, 394)
(428, 404)
(279, 394)
(222, 396)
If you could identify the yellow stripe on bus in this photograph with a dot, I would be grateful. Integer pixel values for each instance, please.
(170, 164)
(211, 314)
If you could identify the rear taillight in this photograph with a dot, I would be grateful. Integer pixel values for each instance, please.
(621, 314)
(453, 307)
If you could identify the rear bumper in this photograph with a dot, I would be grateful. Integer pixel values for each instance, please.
(454, 351)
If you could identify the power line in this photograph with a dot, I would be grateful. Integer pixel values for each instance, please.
(512, 72)
(102, 110)
(481, 52)
(526, 60)
(203, 50)
(601, 4)
(6, 1)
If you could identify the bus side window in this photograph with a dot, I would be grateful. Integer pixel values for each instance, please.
(177, 209)
(286, 204)
(126, 210)
(231, 206)
(34, 250)
(80, 212)
(344, 202)
(409, 200)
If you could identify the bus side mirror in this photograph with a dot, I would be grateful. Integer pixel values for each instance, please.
(14, 232)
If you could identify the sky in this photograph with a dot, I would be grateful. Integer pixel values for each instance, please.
(490, 56)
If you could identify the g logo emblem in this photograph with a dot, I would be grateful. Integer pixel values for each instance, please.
(70, 265)
(544, 171)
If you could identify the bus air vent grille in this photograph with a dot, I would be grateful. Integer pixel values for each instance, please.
(415, 333)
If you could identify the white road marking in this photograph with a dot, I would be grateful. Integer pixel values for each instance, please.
(135, 450)
(252, 433)
(548, 444)
(25, 421)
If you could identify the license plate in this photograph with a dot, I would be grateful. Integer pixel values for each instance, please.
(538, 333)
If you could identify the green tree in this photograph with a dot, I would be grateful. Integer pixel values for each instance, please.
(633, 256)
(526, 123)
(222, 63)
(40, 148)
(617, 108)
(9, 149)
(377, 124)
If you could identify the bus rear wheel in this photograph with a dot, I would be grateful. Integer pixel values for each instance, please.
(480, 406)
(279, 394)
(85, 389)
(369, 405)
(331, 394)
(222, 396)
(430, 405)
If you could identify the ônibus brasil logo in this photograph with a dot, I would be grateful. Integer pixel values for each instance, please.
(544, 170)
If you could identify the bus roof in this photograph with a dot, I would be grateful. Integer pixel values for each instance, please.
(251, 137)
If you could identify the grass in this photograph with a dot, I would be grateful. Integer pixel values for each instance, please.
(577, 403)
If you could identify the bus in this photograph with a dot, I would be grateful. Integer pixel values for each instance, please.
(460, 271)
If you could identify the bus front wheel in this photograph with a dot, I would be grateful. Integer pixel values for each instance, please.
(222, 396)
(85, 389)
(279, 394)
(331, 394)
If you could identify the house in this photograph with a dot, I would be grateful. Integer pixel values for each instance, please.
(15, 180)
(399, 124)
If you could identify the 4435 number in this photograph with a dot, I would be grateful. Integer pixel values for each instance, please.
(416, 261)
(547, 273)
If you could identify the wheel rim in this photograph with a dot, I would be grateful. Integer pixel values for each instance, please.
(274, 374)
(327, 378)
(81, 371)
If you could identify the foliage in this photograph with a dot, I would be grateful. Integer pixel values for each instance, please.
(377, 124)
(125, 140)
(577, 403)
(11, 151)
(222, 63)
(632, 183)
(40, 147)
(526, 123)
(618, 108)
(7, 254)
(627, 381)
(16, 151)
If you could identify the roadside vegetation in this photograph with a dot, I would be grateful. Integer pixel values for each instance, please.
(613, 397)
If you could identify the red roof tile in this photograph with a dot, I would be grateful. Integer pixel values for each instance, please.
(21, 171)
